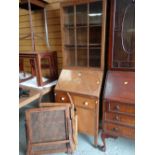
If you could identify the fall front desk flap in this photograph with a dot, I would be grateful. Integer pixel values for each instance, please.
(120, 86)
(84, 81)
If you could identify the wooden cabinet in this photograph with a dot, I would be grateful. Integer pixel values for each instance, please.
(119, 105)
(122, 35)
(83, 33)
(84, 87)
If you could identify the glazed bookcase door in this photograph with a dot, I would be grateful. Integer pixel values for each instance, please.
(69, 33)
(122, 42)
(95, 29)
(83, 25)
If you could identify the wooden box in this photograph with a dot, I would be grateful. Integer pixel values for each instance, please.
(84, 87)
(119, 105)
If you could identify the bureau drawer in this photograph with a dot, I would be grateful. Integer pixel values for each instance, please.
(61, 97)
(118, 130)
(85, 102)
(121, 108)
(119, 118)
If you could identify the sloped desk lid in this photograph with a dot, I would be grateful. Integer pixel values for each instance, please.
(120, 86)
(84, 81)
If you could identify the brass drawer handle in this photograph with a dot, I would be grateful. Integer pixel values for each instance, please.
(79, 74)
(115, 129)
(116, 118)
(117, 108)
(125, 82)
(98, 82)
(86, 103)
(62, 98)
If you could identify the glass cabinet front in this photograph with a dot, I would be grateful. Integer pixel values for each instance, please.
(82, 33)
(123, 47)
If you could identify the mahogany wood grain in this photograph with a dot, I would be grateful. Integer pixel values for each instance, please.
(118, 130)
(119, 86)
(118, 117)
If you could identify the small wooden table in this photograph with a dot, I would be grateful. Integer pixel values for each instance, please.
(34, 95)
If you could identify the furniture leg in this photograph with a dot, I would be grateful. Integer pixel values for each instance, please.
(39, 75)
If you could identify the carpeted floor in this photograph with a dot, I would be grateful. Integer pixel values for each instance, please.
(119, 146)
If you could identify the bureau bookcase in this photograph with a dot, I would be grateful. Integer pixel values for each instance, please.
(119, 90)
(83, 25)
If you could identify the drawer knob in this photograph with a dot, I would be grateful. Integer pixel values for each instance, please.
(126, 82)
(98, 82)
(117, 108)
(62, 98)
(79, 74)
(86, 103)
(115, 129)
(116, 118)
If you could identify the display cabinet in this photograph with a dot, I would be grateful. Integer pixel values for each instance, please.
(122, 35)
(83, 33)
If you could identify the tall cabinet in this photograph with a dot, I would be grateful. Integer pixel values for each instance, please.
(83, 45)
(119, 90)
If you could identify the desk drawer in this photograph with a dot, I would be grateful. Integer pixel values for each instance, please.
(61, 97)
(119, 118)
(118, 130)
(121, 108)
(85, 102)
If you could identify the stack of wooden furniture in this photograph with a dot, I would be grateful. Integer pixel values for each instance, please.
(119, 89)
(83, 43)
(39, 61)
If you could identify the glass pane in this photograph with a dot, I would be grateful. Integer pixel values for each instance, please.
(81, 36)
(69, 57)
(95, 13)
(95, 35)
(124, 35)
(94, 57)
(81, 15)
(82, 57)
(69, 16)
(69, 39)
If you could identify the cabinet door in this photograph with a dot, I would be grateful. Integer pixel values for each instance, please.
(83, 33)
(122, 41)
(95, 33)
(86, 120)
